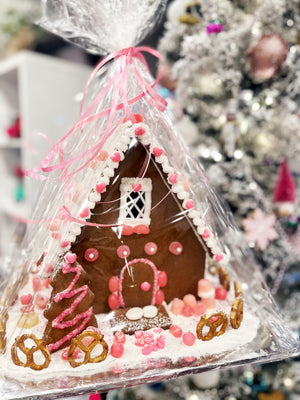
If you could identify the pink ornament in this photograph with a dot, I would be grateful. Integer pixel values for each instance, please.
(205, 289)
(117, 350)
(200, 308)
(188, 338)
(123, 251)
(173, 179)
(206, 234)
(175, 248)
(100, 187)
(139, 131)
(145, 286)
(26, 299)
(91, 254)
(41, 301)
(136, 187)
(187, 311)
(113, 284)
(71, 258)
(157, 151)
(116, 157)
(95, 396)
(84, 213)
(189, 204)
(218, 257)
(190, 300)
(120, 337)
(113, 301)
(176, 331)
(150, 248)
(220, 293)
(162, 279)
(177, 306)
(160, 297)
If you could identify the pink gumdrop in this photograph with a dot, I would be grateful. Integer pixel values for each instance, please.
(145, 286)
(188, 338)
(41, 301)
(162, 278)
(176, 331)
(205, 289)
(147, 349)
(117, 350)
(177, 306)
(113, 301)
(190, 300)
(175, 248)
(91, 254)
(160, 342)
(206, 234)
(120, 337)
(150, 248)
(138, 334)
(187, 311)
(123, 251)
(220, 293)
(200, 308)
(36, 283)
(209, 303)
(160, 297)
(154, 347)
(26, 299)
(113, 284)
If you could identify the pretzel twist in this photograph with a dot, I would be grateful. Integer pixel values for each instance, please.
(213, 322)
(87, 349)
(224, 278)
(29, 352)
(237, 311)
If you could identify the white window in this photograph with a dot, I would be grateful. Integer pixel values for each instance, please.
(135, 206)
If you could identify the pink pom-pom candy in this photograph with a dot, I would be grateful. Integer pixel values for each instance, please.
(139, 131)
(177, 306)
(120, 337)
(188, 338)
(220, 293)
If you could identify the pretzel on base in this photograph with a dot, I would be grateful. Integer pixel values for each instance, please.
(224, 278)
(236, 314)
(213, 269)
(29, 352)
(213, 322)
(87, 349)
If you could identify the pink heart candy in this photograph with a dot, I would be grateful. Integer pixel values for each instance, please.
(218, 257)
(145, 286)
(64, 244)
(100, 187)
(136, 187)
(206, 234)
(189, 204)
(157, 151)
(71, 258)
(116, 157)
(173, 179)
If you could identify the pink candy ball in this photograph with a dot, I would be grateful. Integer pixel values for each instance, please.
(189, 300)
(220, 293)
(187, 311)
(117, 350)
(188, 338)
(123, 251)
(177, 306)
(175, 248)
(200, 308)
(150, 248)
(91, 254)
(176, 331)
(113, 284)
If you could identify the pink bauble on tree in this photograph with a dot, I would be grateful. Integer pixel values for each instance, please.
(284, 196)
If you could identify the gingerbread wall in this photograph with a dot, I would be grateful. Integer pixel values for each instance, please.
(168, 224)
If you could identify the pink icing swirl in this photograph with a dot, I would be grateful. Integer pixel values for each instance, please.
(85, 316)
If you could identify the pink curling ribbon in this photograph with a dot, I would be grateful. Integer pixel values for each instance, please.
(119, 84)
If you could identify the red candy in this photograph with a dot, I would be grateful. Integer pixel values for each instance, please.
(157, 151)
(189, 204)
(123, 251)
(139, 131)
(113, 301)
(176, 331)
(95, 396)
(162, 278)
(113, 284)
(173, 179)
(100, 187)
(150, 248)
(136, 187)
(188, 338)
(41, 301)
(116, 157)
(91, 254)
(117, 350)
(26, 299)
(120, 337)
(206, 234)
(220, 293)
(175, 248)
(141, 229)
(160, 297)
